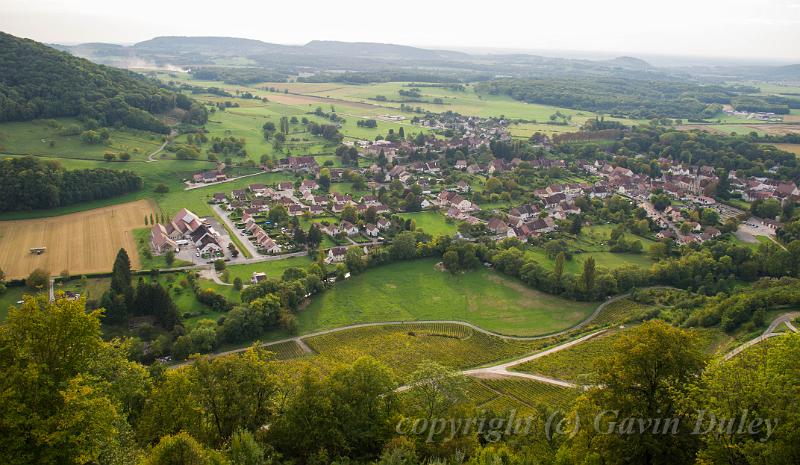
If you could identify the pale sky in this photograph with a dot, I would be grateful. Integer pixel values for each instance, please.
(766, 29)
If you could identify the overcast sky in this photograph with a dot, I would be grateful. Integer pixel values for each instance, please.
(766, 29)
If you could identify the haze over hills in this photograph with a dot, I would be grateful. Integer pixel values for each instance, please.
(320, 56)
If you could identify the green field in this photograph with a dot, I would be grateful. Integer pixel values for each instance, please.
(43, 138)
(415, 290)
(273, 268)
(10, 297)
(433, 223)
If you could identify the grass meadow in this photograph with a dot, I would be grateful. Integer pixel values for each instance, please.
(415, 290)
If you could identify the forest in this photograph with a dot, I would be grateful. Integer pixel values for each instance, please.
(28, 184)
(633, 98)
(40, 82)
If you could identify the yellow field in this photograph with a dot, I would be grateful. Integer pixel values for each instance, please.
(84, 242)
(794, 148)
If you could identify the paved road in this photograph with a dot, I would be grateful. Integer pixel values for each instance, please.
(786, 318)
(234, 230)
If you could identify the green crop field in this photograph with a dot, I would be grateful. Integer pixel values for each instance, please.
(415, 290)
(432, 222)
(403, 347)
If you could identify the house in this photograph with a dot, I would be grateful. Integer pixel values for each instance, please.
(257, 277)
(371, 230)
(336, 255)
(257, 188)
(460, 165)
(500, 228)
(270, 246)
(462, 186)
(239, 194)
(307, 164)
(160, 240)
(219, 197)
(348, 228)
(183, 223)
(208, 245)
(309, 184)
(383, 224)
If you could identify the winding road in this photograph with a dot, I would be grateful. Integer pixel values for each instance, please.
(786, 318)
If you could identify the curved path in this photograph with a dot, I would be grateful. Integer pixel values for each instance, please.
(501, 370)
(300, 339)
(786, 318)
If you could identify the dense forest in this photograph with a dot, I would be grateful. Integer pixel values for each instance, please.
(619, 96)
(29, 184)
(40, 82)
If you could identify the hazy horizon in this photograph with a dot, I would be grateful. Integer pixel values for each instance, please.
(757, 31)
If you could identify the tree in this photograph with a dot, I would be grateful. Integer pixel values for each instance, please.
(38, 279)
(121, 273)
(576, 224)
(404, 246)
(183, 449)
(588, 275)
(558, 268)
(169, 257)
(761, 381)
(354, 259)
(436, 389)
(278, 214)
(643, 377)
(65, 391)
(237, 283)
(244, 450)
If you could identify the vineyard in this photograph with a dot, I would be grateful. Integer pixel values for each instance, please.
(403, 347)
(500, 395)
(622, 311)
(575, 364)
(286, 350)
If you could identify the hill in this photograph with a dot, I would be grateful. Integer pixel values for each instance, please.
(41, 82)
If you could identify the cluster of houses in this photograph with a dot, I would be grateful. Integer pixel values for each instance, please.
(185, 228)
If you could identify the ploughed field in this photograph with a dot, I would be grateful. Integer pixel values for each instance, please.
(85, 242)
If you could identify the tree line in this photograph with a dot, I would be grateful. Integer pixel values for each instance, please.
(27, 183)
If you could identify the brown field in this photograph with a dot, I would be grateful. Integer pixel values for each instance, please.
(793, 148)
(84, 242)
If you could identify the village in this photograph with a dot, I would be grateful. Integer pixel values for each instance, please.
(449, 177)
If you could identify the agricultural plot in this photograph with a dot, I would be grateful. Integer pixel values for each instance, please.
(622, 311)
(286, 350)
(402, 347)
(578, 364)
(416, 290)
(793, 148)
(524, 395)
(80, 243)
